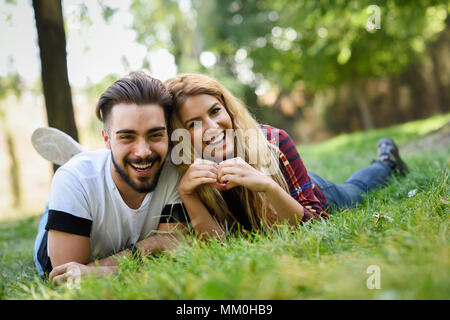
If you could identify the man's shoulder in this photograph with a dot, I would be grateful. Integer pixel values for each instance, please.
(86, 165)
(79, 185)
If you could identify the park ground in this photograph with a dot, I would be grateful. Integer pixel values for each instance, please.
(400, 233)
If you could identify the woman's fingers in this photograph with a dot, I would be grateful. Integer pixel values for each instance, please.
(204, 167)
(231, 178)
(219, 186)
(230, 185)
(228, 170)
(232, 162)
(203, 174)
(203, 162)
(203, 180)
(230, 181)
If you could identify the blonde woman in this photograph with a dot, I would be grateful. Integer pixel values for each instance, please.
(221, 191)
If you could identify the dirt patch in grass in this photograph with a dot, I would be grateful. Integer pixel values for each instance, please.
(436, 139)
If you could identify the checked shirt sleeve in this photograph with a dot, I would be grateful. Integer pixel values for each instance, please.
(300, 185)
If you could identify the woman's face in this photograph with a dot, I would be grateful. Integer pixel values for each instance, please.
(206, 119)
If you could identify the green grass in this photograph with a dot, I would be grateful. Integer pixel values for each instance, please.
(325, 260)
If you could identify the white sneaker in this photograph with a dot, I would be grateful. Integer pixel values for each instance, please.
(55, 145)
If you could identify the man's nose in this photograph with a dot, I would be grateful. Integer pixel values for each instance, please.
(142, 149)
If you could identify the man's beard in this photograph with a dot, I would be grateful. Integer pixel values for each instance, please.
(144, 188)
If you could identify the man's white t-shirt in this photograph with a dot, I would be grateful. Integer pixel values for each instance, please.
(84, 200)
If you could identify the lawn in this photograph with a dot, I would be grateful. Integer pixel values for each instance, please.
(408, 246)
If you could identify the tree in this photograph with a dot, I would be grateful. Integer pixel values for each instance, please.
(323, 43)
(55, 82)
(11, 85)
(163, 24)
(323, 47)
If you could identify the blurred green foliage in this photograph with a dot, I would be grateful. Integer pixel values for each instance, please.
(11, 84)
(275, 47)
(323, 43)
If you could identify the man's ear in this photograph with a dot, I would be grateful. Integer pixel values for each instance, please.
(106, 139)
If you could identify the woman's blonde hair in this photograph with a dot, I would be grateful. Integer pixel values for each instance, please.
(258, 210)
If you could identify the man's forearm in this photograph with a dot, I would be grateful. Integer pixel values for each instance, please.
(152, 245)
(159, 242)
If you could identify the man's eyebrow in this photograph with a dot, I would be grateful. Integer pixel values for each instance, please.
(125, 131)
(156, 129)
(212, 106)
(130, 131)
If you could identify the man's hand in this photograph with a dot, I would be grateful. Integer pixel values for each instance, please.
(72, 272)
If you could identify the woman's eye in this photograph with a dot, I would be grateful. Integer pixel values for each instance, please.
(215, 110)
(194, 124)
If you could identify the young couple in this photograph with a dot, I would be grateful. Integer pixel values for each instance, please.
(131, 198)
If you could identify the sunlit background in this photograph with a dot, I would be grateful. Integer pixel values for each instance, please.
(315, 68)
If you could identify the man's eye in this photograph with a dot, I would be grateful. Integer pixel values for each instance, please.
(126, 137)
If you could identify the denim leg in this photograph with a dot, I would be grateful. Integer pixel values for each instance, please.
(348, 194)
(38, 241)
(370, 177)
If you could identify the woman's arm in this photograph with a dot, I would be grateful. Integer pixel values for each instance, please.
(286, 207)
(201, 220)
(200, 172)
(300, 185)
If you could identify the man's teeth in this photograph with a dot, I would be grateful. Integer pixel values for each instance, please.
(142, 166)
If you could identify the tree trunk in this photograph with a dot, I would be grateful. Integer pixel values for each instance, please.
(363, 107)
(443, 103)
(420, 105)
(14, 170)
(55, 82)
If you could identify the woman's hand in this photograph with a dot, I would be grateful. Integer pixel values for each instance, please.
(200, 172)
(236, 172)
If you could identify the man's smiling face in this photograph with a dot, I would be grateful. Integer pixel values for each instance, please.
(137, 137)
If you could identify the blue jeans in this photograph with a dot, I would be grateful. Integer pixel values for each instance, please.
(40, 251)
(349, 193)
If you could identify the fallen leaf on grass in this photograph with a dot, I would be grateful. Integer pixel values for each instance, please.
(412, 193)
(379, 216)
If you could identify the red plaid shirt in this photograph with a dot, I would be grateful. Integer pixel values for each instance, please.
(300, 185)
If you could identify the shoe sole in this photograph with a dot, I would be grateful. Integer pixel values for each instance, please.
(55, 145)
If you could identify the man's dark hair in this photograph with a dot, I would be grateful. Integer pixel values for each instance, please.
(137, 88)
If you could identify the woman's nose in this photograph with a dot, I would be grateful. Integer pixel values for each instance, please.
(209, 123)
